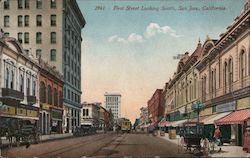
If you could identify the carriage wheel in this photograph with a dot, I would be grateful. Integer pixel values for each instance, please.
(31, 139)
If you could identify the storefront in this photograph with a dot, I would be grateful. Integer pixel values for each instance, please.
(237, 122)
(44, 119)
(56, 120)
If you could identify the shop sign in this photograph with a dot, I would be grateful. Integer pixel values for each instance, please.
(7, 109)
(207, 111)
(32, 113)
(243, 103)
(56, 114)
(21, 111)
(230, 106)
(45, 106)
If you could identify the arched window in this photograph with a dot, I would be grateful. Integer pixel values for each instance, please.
(28, 87)
(49, 95)
(60, 99)
(242, 67)
(42, 92)
(55, 97)
(7, 73)
(230, 74)
(21, 83)
(225, 77)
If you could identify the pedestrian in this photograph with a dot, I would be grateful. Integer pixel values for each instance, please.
(217, 136)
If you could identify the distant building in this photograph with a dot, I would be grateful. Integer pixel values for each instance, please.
(144, 115)
(90, 114)
(113, 102)
(155, 106)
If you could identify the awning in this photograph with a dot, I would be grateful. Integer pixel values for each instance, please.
(164, 124)
(237, 117)
(215, 117)
(177, 123)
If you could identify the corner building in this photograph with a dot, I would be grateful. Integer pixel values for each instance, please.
(50, 30)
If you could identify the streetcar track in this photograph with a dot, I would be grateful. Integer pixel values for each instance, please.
(70, 147)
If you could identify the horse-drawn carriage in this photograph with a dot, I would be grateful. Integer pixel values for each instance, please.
(20, 132)
(193, 133)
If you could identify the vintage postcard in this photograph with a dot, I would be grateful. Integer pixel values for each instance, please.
(124, 78)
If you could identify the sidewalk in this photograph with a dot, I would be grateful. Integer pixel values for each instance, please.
(226, 150)
(43, 138)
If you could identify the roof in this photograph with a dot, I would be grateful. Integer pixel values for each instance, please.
(112, 94)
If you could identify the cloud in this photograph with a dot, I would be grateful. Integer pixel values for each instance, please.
(154, 29)
(132, 38)
(151, 30)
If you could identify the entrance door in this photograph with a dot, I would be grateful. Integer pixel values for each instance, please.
(240, 135)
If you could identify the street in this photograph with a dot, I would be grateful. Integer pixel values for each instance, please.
(99, 145)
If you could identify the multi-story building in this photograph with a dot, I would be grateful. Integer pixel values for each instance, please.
(51, 97)
(19, 90)
(90, 114)
(113, 102)
(51, 30)
(155, 107)
(225, 77)
(144, 116)
(217, 75)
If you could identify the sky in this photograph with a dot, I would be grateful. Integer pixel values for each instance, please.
(128, 45)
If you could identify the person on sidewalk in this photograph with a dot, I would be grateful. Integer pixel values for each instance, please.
(217, 136)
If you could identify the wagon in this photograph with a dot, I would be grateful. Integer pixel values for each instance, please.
(193, 133)
(28, 134)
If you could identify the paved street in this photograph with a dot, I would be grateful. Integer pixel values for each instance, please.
(100, 145)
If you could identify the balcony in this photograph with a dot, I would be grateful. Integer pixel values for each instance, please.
(12, 94)
(31, 100)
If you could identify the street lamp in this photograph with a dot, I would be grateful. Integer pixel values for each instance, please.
(197, 106)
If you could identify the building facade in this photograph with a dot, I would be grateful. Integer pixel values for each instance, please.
(144, 116)
(90, 114)
(155, 106)
(33, 22)
(19, 93)
(51, 97)
(113, 102)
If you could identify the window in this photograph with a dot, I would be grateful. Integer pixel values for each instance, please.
(68, 94)
(26, 37)
(20, 20)
(42, 92)
(87, 112)
(21, 83)
(53, 37)
(38, 37)
(225, 77)
(52, 3)
(60, 99)
(12, 80)
(49, 95)
(230, 74)
(7, 4)
(55, 97)
(20, 37)
(83, 112)
(39, 4)
(53, 20)
(26, 4)
(39, 20)
(26, 20)
(53, 55)
(6, 34)
(7, 73)
(34, 88)
(28, 87)
(20, 4)
(6, 21)
(243, 71)
(38, 53)
(213, 74)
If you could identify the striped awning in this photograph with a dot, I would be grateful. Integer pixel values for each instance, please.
(236, 117)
